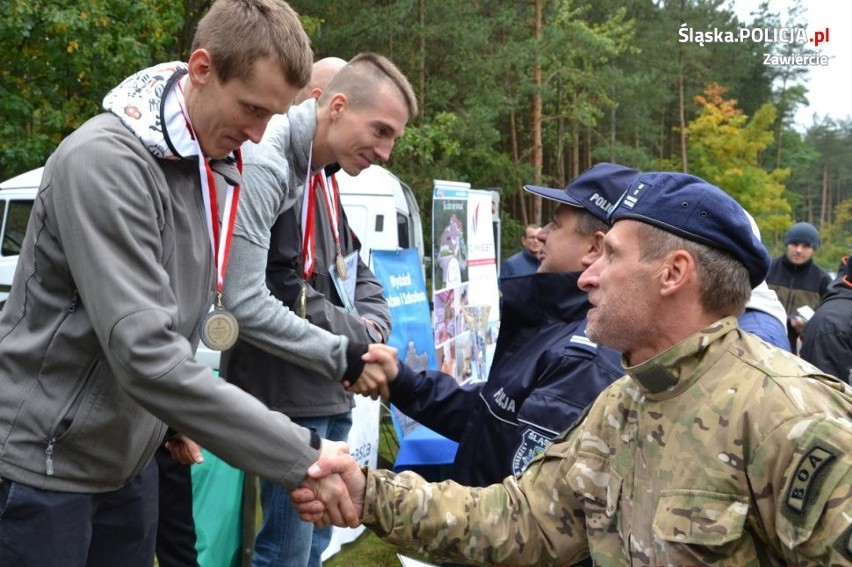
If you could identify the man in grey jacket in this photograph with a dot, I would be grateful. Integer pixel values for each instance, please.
(116, 272)
(355, 122)
(309, 240)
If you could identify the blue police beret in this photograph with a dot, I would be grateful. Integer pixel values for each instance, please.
(596, 189)
(694, 209)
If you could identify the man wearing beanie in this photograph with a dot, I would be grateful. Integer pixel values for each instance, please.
(715, 449)
(827, 342)
(796, 279)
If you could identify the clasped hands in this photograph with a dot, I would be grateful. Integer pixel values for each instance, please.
(333, 492)
(334, 489)
(380, 369)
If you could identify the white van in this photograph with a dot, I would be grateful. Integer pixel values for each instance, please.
(16, 202)
(382, 211)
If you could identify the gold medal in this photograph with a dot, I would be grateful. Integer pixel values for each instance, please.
(219, 329)
(341, 264)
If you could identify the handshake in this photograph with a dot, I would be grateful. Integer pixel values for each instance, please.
(380, 369)
(334, 489)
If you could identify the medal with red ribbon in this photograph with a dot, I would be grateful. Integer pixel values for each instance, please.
(324, 186)
(218, 328)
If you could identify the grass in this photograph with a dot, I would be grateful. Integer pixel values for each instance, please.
(366, 550)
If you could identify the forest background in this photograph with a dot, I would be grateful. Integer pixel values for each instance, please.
(511, 92)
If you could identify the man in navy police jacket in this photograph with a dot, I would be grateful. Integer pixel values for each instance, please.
(545, 371)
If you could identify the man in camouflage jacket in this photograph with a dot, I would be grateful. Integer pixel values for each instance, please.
(715, 449)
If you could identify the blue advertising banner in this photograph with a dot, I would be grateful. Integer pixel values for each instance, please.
(401, 274)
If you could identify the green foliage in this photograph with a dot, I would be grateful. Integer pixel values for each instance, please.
(724, 148)
(612, 71)
(611, 76)
(836, 237)
(582, 40)
(60, 57)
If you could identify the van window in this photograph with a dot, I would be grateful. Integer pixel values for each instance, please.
(402, 231)
(15, 227)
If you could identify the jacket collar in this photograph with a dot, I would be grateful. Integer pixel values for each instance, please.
(147, 105)
(540, 297)
(678, 367)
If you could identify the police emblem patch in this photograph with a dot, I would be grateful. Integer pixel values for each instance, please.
(532, 445)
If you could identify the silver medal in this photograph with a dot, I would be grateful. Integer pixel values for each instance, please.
(219, 329)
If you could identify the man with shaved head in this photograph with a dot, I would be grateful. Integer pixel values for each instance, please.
(356, 121)
(321, 73)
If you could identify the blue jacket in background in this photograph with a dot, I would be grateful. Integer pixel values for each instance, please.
(544, 374)
(521, 264)
(764, 326)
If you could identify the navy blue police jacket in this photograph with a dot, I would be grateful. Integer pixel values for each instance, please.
(545, 372)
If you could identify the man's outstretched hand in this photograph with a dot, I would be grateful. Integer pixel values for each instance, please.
(324, 500)
(380, 369)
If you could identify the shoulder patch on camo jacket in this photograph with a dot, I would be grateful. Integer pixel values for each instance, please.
(808, 472)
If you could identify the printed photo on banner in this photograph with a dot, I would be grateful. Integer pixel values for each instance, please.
(464, 280)
(449, 221)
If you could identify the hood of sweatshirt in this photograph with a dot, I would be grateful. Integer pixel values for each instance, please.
(149, 105)
(766, 300)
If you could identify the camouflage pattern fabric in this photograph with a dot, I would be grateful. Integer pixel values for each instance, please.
(722, 450)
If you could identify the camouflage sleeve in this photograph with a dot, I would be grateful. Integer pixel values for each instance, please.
(802, 483)
(532, 520)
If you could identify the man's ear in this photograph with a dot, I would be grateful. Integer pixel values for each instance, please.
(337, 105)
(593, 250)
(596, 244)
(677, 270)
(200, 66)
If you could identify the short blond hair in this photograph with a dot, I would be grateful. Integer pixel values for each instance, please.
(239, 32)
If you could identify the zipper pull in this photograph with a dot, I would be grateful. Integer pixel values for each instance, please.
(48, 462)
(72, 305)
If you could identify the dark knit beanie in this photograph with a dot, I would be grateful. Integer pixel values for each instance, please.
(803, 233)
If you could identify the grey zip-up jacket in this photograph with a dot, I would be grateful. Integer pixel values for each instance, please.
(275, 173)
(98, 333)
(300, 391)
